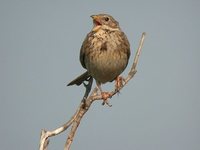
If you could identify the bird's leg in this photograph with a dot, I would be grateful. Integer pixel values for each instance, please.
(118, 83)
(105, 95)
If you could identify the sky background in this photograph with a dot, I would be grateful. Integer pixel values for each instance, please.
(39, 54)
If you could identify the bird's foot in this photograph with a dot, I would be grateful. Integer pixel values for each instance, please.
(118, 83)
(105, 97)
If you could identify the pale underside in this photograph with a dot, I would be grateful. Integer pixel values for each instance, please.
(111, 60)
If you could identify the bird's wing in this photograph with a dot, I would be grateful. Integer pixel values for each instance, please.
(83, 50)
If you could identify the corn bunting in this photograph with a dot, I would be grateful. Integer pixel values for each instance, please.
(104, 53)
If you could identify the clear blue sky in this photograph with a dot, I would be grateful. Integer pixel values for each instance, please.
(39, 54)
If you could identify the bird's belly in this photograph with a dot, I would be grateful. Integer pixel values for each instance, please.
(107, 66)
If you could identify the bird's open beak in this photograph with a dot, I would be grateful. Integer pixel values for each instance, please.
(94, 17)
(96, 20)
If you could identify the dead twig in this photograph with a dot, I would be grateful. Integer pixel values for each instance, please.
(85, 105)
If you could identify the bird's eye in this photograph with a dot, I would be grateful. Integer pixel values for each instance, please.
(106, 19)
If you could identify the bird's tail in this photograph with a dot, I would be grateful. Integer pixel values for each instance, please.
(80, 79)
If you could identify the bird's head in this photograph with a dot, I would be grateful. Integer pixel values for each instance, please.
(104, 21)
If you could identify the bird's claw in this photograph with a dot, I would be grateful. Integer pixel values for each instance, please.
(105, 96)
(118, 83)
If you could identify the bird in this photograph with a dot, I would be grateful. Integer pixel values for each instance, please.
(104, 53)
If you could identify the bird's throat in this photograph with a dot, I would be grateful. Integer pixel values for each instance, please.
(96, 28)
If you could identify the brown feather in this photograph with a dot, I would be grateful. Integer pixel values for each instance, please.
(80, 79)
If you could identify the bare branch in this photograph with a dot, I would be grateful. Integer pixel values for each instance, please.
(136, 58)
(44, 141)
(85, 105)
